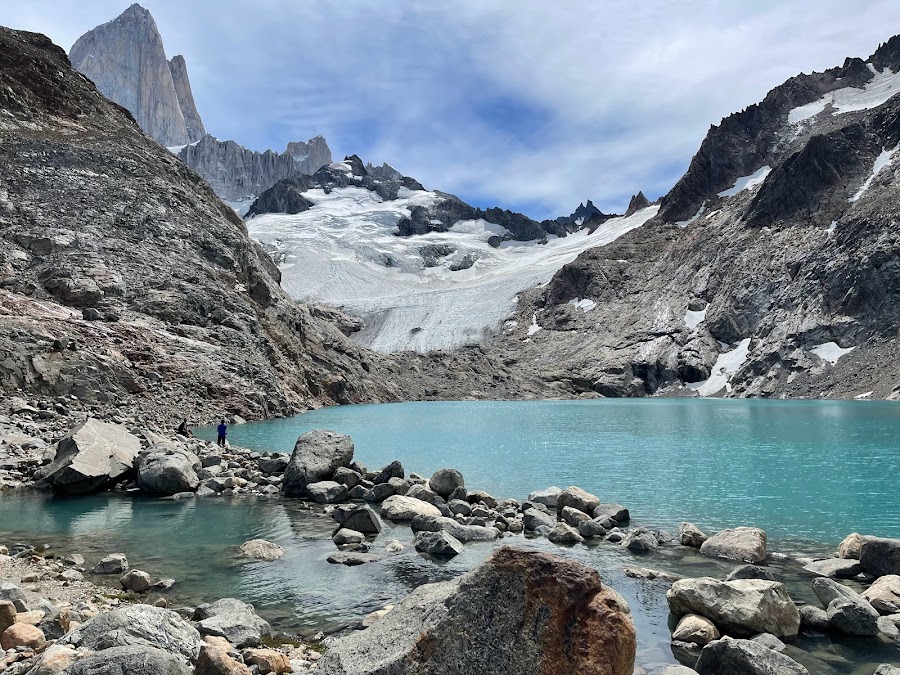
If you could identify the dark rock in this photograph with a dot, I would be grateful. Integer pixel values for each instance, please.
(880, 556)
(445, 481)
(745, 657)
(317, 455)
(438, 544)
(750, 572)
(359, 518)
(846, 609)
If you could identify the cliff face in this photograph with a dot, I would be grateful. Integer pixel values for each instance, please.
(126, 59)
(235, 172)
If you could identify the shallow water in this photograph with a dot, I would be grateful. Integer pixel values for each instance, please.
(806, 472)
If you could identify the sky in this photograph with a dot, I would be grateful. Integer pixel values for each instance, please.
(529, 105)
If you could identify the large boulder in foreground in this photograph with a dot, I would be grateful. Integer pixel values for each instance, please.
(745, 657)
(519, 613)
(317, 455)
(93, 456)
(167, 469)
(130, 660)
(742, 607)
(745, 544)
(879, 556)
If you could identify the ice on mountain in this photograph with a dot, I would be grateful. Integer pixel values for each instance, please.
(830, 351)
(585, 305)
(747, 182)
(883, 160)
(832, 227)
(694, 318)
(726, 365)
(696, 217)
(884, 86)
(534, 327)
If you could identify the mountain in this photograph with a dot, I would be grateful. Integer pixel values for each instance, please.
(126, 59)
(126, 282)
(772, 268)
(238, 174)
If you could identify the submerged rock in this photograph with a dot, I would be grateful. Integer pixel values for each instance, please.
(261, 550)
(747, 544)
(317, 455)
(520, 612)
(464, 533)
(750, 572)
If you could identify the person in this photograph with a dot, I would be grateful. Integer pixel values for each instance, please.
(223, 431)
(183, 429)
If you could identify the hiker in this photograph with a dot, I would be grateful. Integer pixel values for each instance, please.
(223, 431)
(183, 429)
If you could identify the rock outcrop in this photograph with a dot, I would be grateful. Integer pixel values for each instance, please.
(520, 613)
(126, 59)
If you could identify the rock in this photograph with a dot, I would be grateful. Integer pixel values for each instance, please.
(261, 550)
(138, 626)
(93, 456)
(404, 508)
(359, 518)
(394, 546)
(422, 492)
(563, 533)
(115, 563)
(691, 535)
(573, 516)
(520, 612)
(750, 572)
(482, 497)
(316, 456)
(216, 660)
(696, 629)
(615, 512)
(533, 519)
(745, 657)
(651, 575)
(347, 477)
(267, 661)
(770, 641)
(372, 617)
(275, 465)
(879, 556)
(7, 614)
(135, 580)
(459, 507)
(445, 481)
(392, 470)
(546, 497)
(438, 544)
(54, 660)
(813, 617)
(835, 567)
(22, 635)
(233, 620)
(886, 669)
(848, 611)
(577, 498)
(675, 670)
(164, 470)
(747, 544)
(164, 585)
(130, 660)
(352, 558)
(465, 533)
(883, 595)
(326, 492)
(590, 529)
(742, 607)
(73, 560)
(344, 536)
(640, 540)
(850, 546)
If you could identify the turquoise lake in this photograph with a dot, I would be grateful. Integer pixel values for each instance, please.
(806, 472)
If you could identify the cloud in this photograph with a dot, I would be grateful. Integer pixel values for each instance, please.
(525, 104)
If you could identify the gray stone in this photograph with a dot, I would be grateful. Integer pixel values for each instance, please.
(130, 660)
(233, 620)
(115, 563)
(445, 481)
(546, 497)
(459, 507)
(326, 492)
(745, 657)
(750, 572)
(848, 611)
(9, 591)
(135, 580)
(403, 508)
(850, 546)
(880, 556)
(813, 617)
(770, 641)
(747, 544)
(834, 567)
(439, 544)
(261, 550)
(563, 533)
(465, 533)
(392, 470)
(615, 512)
(345, 536)
(577, 498)
(691, 535)
(573, 516)
(353, 558)
(316, 456)
(641, 540)
(534, 518)
(697, 629)
(359, 518)
(421, 491)
(884, 594)
(886, 669)
(273, 465)
(93, 456)
(591, 529)
(347, 477)
(165, 471)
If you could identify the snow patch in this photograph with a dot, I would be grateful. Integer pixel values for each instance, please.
(691, 221)
(830, 351)
(832, 227)
(534, 327)
(883, 160)
(726, 365)
(585, 305)
(862, 397)
(747, 182)
(884, 86)
(693, 319)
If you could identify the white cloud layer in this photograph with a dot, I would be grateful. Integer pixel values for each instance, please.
(526, 104)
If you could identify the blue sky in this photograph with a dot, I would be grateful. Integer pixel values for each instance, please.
(524, 104)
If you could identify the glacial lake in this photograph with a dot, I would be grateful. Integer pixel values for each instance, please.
(806, 472)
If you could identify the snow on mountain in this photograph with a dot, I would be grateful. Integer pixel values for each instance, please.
(435, 291)
(884, 86)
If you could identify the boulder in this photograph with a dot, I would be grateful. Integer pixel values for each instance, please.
(130, 660)
(459, 507)
(233, 620)
(392, 470)
(93, 456)
(813, 617)
(640, 540)
(520, 612)
(138, 626)
(546, 497)
(439, 544)
(691, 535)
(326, 492)
(745, 657)
(114, 563)
(563, 533)
(344, 537)
(849, 548)
(534, 518)
(834, 567)
(615, 512)
(316, 456)
(884, 594)
(135, 580)
(696, 629)
(445, 481)
(261, 550)
(848, 611)
(400, 507)
(465, 533)
(577, 498)
(770, 641)
(267, 661)
(421, 491)
(747, 544)
(216, 660)
(22, 635)
(482, 497)
(347, 477)
(742, 607)
(274, 465)
(7, 614)
(590, 529)
(352, 558)
(573, 516)
(750, 572)
(55, 659)
(359, 518)
(887, 669)
(166, 471)
(879, 556)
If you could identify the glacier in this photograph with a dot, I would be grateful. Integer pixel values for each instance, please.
(344, 252)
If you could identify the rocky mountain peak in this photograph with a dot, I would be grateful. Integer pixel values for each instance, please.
(638, 202)
(127, 61)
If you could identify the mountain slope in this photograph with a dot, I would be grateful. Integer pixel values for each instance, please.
(125, 281)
